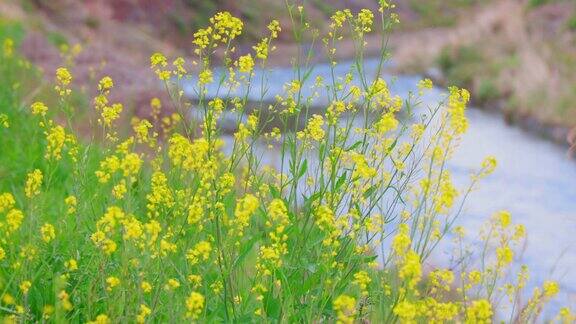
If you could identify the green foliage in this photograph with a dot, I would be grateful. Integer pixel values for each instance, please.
(460, 65)
(572, 23)
(57, 39)
(488, 91)
(173, 224)
(438, 13)
(537, 3)
(12, 30)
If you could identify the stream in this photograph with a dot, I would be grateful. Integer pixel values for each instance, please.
(534, 180)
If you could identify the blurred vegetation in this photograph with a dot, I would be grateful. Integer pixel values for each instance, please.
(439, 13)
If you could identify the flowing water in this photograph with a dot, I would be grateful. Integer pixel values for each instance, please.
(534, 179)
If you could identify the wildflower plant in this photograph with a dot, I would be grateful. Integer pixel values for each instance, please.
(173, 222)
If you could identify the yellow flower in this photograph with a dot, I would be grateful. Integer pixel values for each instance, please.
(146, 287)
(334, 110)
(161, 194)
(55, 137)
(111, 283)
(362, 170)
(48, 232)
(417, 131)
(33, 183)
(132, 229)
(131, 164)
(71, 203)
(71, 265)
(110, 114)
(226, 26)
(4, 122)
(25, 286)
(313, 130)
(14, 219)
(201, 250)
(100, 319)
(39, 108)
(119, 190)
(362, 279)
(504, 255)
(387, 123)
(503, 218)
(262, 49)
(179, 65)
(551, 288)
(194, 305)
(565, 316)
(245, 63)
(195, 280)
(205, 77)
(144, 312)
(6, 201)
(47, 311)
(345, 308)
(479, 312)
(63, 80)
(172, 284)
(274, 28)
(65, 301)
(156, 105)
(2, 254)
(8, 47)
(195, 213)
(424, 84)
(406, 311)
(488, 166)
(456, 109)
(364, 21)
(158, 59)
(105, 84)
(411, 269)
(245, 207)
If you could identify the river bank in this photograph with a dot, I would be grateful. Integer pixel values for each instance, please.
(515, 58)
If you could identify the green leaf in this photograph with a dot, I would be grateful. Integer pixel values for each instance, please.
(272, 306)
(341, 180)
(303, 168)
(353, 146)
(274, 192)
(370, 191)
(246, 248)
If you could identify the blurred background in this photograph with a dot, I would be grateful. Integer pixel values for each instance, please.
(517, 57)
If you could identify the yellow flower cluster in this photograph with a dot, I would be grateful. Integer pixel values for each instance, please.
(33, 183)
(194, 305)
(39, 108)
(63, 80)
(457, 107)
(8, 47)
(270, 256)
(314, 130)
(245, 208)
(48, 232)
(186, 223)
(245, 63)
(345, 308)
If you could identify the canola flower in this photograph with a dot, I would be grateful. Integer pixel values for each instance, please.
(166, 221)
